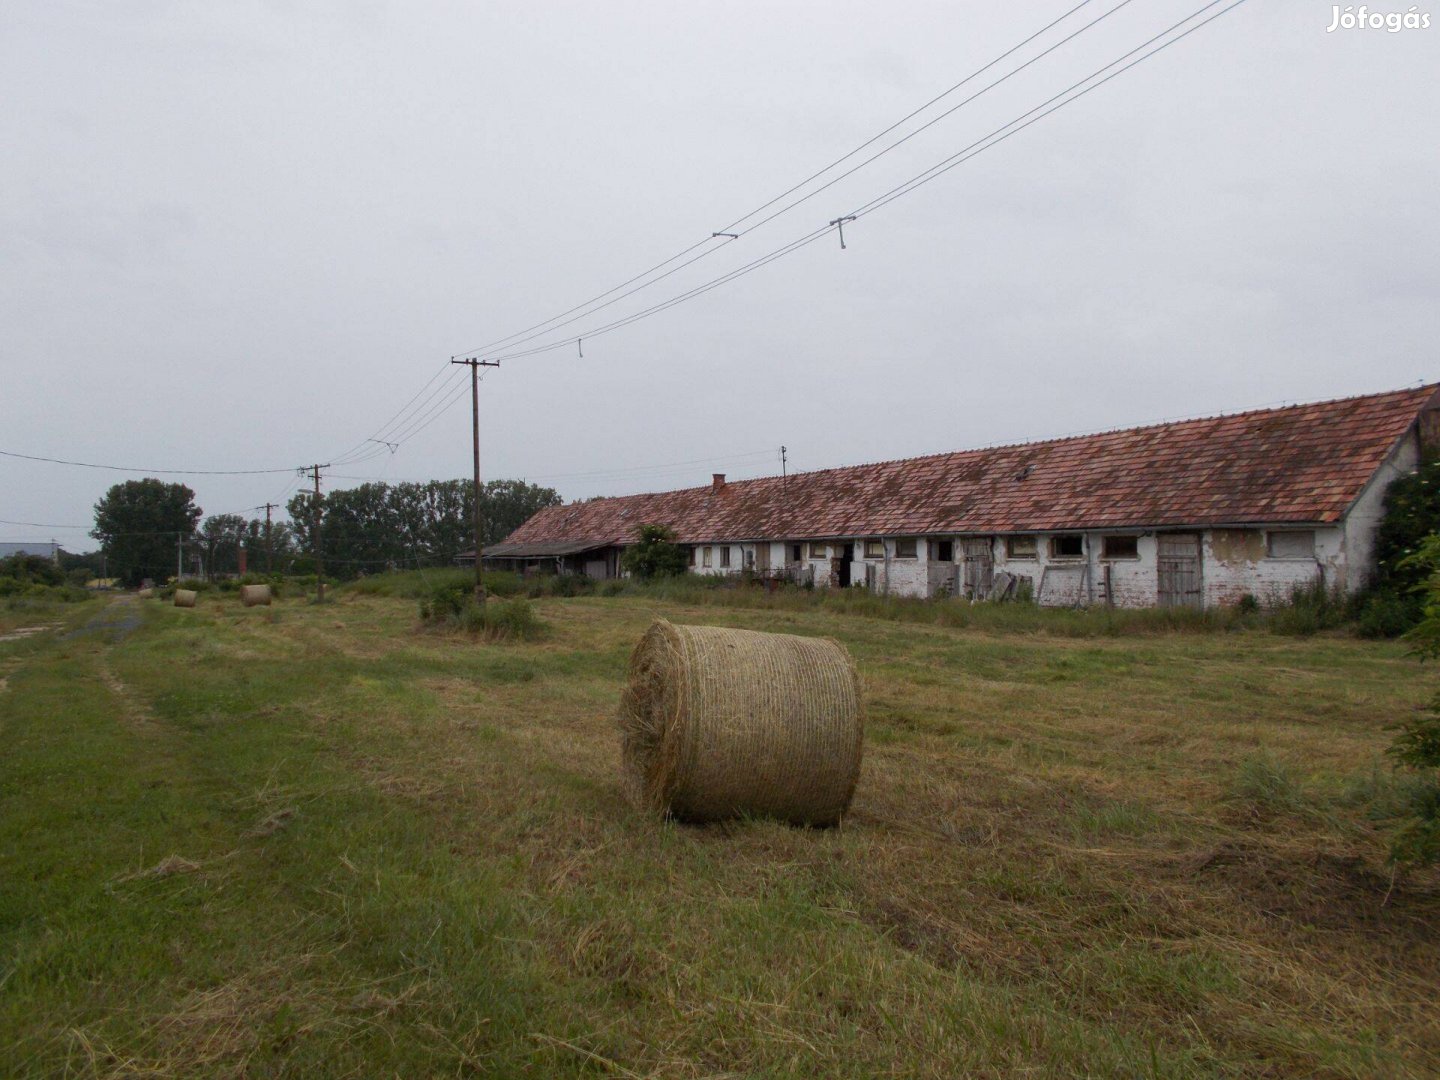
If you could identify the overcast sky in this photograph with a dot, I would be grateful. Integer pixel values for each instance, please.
(243, 235)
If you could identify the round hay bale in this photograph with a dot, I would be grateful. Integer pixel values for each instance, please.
(185, 597)
(146, 593)
(255, 595)
(718, 723)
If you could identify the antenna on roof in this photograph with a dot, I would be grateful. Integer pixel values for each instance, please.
(783, 475)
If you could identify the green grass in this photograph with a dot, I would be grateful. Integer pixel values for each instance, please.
(323, 840)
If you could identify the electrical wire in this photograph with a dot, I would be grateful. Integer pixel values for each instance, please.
(957, 159)
(509, 340)
(835, 180)
(129, 469)
(976, 148)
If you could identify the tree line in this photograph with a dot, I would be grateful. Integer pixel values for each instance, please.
(148, 527)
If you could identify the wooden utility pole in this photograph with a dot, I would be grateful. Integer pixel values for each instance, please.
(179, 556)
(475, 366)
(314, 470)
(269, 547)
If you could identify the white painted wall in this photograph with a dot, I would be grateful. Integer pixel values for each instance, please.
(1363, 522)
(1234, 563)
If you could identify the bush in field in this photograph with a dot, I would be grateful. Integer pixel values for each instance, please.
(503, 620)
(31, 569)
(454, 605)
(1310, 609)
(446, 601)
(656, 555)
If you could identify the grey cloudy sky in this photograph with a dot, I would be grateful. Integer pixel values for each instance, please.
(243, 235)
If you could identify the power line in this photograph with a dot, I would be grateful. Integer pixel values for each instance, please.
(733, 459)
(129, 469)
(976, 148)
(43, 525)
(383, 430)
(729, 230)
(957, 159)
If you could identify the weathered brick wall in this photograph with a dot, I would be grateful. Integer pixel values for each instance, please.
(1235, 565)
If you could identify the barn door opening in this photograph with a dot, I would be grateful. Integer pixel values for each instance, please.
(762, 556)
(979, 568)
(1179, 570)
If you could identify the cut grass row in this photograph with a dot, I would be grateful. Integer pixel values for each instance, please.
(403, 852)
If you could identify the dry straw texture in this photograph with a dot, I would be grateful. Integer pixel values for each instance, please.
(718, 723)
(145, 594)
(185, 597)
(255, 595)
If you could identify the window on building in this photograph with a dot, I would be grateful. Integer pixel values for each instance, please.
(749, 559)
(1292, 544)
(905, 548)
(707, 557)
(817, 551)
(725, 556)
(942, 550)
(1067, 546)
(874, 549)
(1120, 547)
(1020, 547)
(796, 553)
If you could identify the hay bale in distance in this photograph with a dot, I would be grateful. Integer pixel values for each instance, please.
(185, 597)
(255, 595)
(146, 593)
(717, 723)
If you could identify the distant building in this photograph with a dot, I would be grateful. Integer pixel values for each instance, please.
(50, 550)
(1195, 513)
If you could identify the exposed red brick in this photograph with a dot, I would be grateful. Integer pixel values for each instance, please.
(1301, 464)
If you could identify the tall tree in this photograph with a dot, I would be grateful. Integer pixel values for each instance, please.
(280, 548)
(372, 526)
(138, 523)
(221, 536)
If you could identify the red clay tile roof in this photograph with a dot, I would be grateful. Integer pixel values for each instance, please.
(1304, 463)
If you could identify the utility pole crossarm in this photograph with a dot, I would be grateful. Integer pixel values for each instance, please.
(475, 365)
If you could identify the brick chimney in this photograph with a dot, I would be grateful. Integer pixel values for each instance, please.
(717, 482)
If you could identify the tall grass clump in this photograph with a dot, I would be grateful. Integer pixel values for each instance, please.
(453, 605)
(1310, 609)
(1268, 785)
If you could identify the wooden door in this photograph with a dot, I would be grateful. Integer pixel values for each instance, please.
(1179, 570)
(979, 556)
(762, 556)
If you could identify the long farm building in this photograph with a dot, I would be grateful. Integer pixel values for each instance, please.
(1195, 513)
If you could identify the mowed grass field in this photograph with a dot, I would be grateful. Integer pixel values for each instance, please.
(322, 841)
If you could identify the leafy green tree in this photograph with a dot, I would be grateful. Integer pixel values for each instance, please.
(281, 546)
(137, 523)
(1417, 747)
(31, 569)
(93, 562)
(1412, 512)
(220, 537)
(376, 525)
(656, 554)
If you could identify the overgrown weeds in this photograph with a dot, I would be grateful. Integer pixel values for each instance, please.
(1309, 609)
(453, 605)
